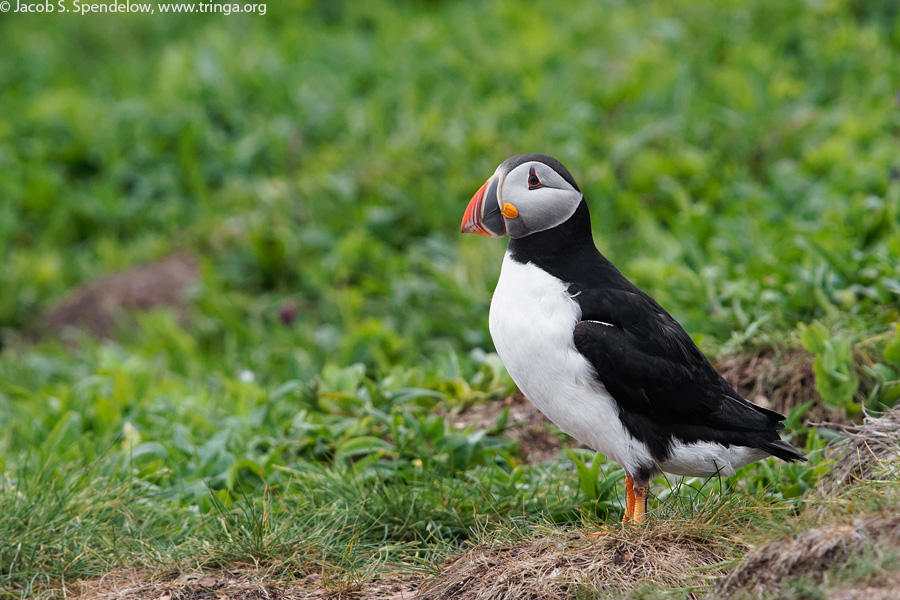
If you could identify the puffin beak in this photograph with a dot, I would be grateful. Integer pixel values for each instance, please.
(483, 213)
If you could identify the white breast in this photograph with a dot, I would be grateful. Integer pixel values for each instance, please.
(532, 322)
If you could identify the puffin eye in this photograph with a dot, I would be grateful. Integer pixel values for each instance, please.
(533, 181)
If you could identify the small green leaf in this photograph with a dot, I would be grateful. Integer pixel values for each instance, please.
(149, 449)
(892, 351)
(363, 445)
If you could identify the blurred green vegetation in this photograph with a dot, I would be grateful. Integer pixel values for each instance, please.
(741, 161)
(737, 157)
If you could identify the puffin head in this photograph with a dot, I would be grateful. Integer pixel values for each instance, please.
(528, 193)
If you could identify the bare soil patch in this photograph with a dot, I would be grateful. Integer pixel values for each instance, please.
(615, 562)
(99, 306)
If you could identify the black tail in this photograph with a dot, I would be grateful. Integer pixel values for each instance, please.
(783, 450)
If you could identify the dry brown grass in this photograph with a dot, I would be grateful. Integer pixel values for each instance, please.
(236, 584)
(873, 447)
(810, 554)
(610, 564)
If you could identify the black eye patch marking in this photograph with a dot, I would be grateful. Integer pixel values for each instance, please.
(534, 181)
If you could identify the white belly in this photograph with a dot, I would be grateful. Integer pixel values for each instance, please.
(707, 459)
(532, 322)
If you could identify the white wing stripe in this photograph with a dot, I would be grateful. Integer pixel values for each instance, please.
(599, 322)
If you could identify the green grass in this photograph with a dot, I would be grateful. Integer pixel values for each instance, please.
(740, 162)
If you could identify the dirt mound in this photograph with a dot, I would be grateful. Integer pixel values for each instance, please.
(618, 560)
(525, 423)
(809, 554)
(98, 306)
(235, 585)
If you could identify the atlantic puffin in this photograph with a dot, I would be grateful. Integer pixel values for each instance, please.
(598, 356)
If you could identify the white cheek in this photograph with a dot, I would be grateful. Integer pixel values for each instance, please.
(546, 208)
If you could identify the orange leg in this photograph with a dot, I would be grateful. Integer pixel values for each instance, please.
(641, 495)
(629, 499)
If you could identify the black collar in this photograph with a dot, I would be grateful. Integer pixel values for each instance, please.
(567, 252)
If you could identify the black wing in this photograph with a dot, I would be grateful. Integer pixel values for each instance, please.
(662, 382)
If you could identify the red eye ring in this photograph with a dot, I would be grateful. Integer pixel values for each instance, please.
(534, 182)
